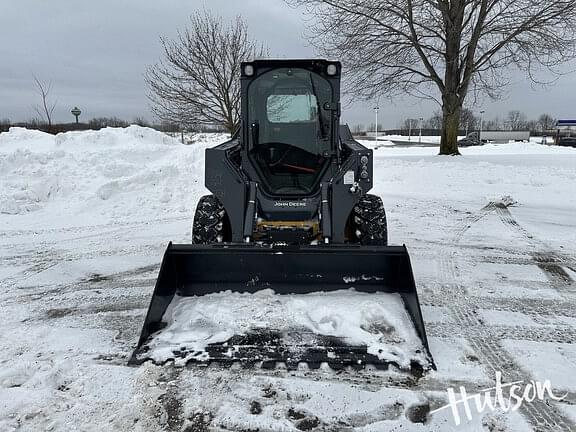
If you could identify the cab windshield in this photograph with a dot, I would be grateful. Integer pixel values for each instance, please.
(289, 129)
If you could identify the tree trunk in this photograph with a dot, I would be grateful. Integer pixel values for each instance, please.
(451, 100)
(450, 125)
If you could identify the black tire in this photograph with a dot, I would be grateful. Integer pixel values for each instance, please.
(368, 221)
(211, 224)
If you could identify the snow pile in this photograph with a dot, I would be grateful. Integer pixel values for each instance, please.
(378, 321)
(113, 171)
(518, 148)
(22, 138)
(131, 136)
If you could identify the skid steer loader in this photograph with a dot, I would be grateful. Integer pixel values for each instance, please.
(289, 260)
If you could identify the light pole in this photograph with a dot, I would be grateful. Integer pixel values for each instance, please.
(420, 131)
(376, 108)
(481, 120)
(409, 130)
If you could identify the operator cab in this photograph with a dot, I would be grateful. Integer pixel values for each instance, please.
(290, 122)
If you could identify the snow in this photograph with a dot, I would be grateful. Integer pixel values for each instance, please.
(493, 317)
(433, 139)
(101, 174)
(570, 411)
(378, 321)
(82, 269)
(553, 361)
(456, 361)
(84, 221)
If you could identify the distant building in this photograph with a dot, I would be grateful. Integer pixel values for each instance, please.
(565, 128)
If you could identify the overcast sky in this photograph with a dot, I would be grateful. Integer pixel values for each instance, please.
(95, 54)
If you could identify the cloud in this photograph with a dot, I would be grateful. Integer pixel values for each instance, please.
(95, 54)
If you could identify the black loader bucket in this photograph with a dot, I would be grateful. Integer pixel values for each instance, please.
(259, 304)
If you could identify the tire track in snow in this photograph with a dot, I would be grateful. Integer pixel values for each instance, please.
(51, 258)
(547, 260)
(556, 334)
(529, 306)
(59, 290)
(43, 264)
(538, 260)
(447, 266)
(89, 228)
(542, 416)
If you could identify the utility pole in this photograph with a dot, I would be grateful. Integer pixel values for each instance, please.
(376, 108)
(420, 131)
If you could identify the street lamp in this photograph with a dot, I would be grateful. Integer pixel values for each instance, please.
(481, 120)
(376, 108)
(409, 130)
(420, 131)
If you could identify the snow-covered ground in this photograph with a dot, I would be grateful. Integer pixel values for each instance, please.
(414, 138)
(85, 218)
(386, 140)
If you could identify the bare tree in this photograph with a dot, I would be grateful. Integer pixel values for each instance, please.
(468, 120)
(435, 122)
(495, 124)
(197, 80)
(5, 124)
(102, 122)
(442, 49)
(410, 125)
(531, 125)
(45, 109)
(372, 128)
(546, 122)
(516, 120)
(141, 121)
